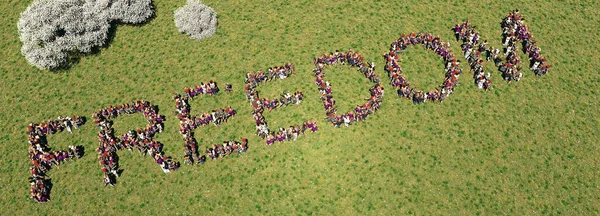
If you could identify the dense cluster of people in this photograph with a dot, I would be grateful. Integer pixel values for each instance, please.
(187, 124)
(279, 72)
(209, 88)
(291, 133)
(474, 51)
(514, 29)
(215, 151)
(259, 105)
(398, 79)
(140, 139)
(43, 158)
(360, 112)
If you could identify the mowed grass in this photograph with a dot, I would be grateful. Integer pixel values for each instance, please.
(523, 148)
(349, 86)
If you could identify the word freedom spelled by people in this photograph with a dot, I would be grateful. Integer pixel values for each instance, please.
(140, 141)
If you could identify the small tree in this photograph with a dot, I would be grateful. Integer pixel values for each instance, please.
(196, 20)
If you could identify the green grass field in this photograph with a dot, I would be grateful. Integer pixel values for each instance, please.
(524, 148)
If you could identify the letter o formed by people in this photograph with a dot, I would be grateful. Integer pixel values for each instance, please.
(360, 112)
(399, 80)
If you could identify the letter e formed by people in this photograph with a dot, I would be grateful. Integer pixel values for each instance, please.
(188, 123)
(259, 105)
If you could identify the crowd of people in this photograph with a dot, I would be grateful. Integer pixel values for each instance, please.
(187, 124)
(272, 73)
(291, 133)
(259, 105)
(209, 88)
(215, 151)
(398, 79)
(360, 112)
(140, 139)
(43, 158)
(474, 51)
(514, 29)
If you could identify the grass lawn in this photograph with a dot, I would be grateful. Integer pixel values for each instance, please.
(524, 148)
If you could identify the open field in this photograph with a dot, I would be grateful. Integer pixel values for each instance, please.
(524, 148)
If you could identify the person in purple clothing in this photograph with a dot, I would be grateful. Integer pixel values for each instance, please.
(313, 126)
(270, 139)
(280, 136)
